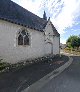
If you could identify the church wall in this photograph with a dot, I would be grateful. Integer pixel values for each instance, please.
(40, 43)
(51, 41)
(56, 45)
(11, 52)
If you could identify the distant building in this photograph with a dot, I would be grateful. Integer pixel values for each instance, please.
(62, 46)
(24, 35)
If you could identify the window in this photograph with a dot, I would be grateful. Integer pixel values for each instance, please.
(20, 40)
(23, 38)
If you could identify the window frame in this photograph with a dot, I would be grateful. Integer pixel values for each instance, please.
(19, 33)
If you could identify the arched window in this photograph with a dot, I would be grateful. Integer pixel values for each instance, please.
(26, 40)
(23, 38)
(20, 40)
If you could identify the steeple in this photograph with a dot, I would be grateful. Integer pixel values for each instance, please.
(44, 16)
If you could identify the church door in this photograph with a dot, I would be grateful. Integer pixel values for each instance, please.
(49, 48)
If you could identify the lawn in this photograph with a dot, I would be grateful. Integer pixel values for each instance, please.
(72, 51)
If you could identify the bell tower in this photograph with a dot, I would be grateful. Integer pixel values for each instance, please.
(44, 16)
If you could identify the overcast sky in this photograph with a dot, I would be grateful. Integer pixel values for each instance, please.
(64, 14)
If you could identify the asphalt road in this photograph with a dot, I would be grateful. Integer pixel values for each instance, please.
(67, 81)
(16, 81)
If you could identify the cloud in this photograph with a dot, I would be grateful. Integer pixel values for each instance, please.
(31, 5)
(64, 13)
(63, 41)
(75, 30)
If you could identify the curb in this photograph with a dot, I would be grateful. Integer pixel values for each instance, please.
(39, 84)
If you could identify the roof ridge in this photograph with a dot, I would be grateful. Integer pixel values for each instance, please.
(28, 10)
(17, 14)
(54, 30)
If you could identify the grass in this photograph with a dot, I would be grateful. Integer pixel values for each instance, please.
(3, 65)
(73, 51)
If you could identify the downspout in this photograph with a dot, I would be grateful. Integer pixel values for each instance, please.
(53, 42)
(59, 47)
(52, 48)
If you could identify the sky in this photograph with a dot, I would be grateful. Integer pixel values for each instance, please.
(64, 14)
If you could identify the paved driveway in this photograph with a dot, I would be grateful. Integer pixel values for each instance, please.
(15, 81)
(68, 81)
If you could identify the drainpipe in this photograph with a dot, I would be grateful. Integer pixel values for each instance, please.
(52, 48)
(59, 47)
(53, 42)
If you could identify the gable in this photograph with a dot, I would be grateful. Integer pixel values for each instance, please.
(50, 29)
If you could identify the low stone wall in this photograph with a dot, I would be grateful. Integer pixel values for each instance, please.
(10, 67)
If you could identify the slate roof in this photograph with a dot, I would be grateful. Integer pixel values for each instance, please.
(55, 31)
(14, 13)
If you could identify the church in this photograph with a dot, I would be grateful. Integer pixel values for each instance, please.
(24, 35)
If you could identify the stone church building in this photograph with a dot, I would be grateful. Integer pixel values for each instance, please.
(24, 35)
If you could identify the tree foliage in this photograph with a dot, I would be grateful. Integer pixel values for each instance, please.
(73, 41)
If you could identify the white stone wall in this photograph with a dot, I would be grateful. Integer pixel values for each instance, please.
(48, 39)
(11, 52)
(53, 39)
(56, 49)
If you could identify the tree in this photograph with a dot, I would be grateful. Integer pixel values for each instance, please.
(79, 41)
(73, 41)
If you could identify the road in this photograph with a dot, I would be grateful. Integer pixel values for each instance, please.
(67, 81)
